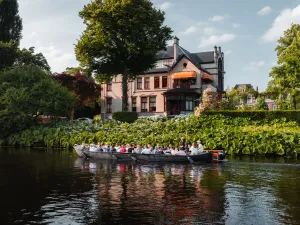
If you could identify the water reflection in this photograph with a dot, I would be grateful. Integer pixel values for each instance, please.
(40, 187)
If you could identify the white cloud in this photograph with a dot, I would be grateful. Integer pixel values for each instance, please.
(164, 6)
(190, 30)
(254, 65)
(264, 11)
(33, 35)
(282, 23)
(216, 40)
(236, 25)
(57, 59)
(209, 30)
(217, 18)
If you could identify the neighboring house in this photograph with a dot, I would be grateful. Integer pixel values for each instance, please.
(250, 101)
(172, 87)
(271, 104)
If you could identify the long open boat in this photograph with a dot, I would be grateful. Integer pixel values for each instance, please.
(208, 156)
(203, 157)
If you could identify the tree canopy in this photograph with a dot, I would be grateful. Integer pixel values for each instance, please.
(85, 89)
(121, 37)
(286, 76)
(10, 21)
(25, 93)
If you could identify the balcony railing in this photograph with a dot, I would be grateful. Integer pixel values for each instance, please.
(181, 85)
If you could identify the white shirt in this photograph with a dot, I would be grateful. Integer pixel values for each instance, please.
(194, 150)
(146, 151)
(201, 149)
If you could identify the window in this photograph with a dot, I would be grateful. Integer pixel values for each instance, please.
(108, 105)
(147, 83)
(108, 86)
(144, 104)
(189, 104)
(133, 105)
(152, 104)
(164, 82)
(139, 82)
(274, 107)
(156, 82)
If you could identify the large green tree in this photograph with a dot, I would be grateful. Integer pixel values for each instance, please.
(286, 76)
(121, 37)
(10, 21)
(27, 92)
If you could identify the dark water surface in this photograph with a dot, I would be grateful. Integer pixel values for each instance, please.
(46, 187)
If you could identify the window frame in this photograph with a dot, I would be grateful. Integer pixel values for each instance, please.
(109, 104)
(144, 105)
(141, 83)
(157, 78)
(147, 81)
(166, 78)
(109, 86)
(150, 107)
(133, 103)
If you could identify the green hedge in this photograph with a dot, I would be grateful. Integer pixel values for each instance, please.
(128, 117)
(290, 115)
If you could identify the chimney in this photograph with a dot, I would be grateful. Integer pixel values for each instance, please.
(215, 53)
(176, 48)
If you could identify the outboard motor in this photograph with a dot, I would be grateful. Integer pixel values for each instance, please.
(221, 155)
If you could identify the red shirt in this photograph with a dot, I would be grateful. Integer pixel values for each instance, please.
(123, 150)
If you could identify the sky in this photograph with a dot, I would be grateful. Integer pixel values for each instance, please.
(246, 30)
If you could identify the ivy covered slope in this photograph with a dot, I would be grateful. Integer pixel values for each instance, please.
(234, 135)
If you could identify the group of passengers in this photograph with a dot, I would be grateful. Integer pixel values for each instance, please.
(183, 149)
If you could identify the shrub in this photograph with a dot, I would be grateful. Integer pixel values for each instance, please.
(127, 117)
(289, 115)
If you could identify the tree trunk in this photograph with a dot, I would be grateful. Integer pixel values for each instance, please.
(294, 103)
(125, 90)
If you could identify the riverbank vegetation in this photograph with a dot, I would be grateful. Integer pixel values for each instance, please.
(234, 135)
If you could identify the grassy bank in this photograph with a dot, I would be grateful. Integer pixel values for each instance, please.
(234, 135)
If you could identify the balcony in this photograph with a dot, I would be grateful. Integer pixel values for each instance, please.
(181, 85)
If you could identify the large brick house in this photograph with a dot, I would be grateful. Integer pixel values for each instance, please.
(172, 87)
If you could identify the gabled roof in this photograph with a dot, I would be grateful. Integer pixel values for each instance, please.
(168, 54)
(200, 57)
(204, 57)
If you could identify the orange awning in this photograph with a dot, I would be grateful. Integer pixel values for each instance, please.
(206, 76)
(184, 75)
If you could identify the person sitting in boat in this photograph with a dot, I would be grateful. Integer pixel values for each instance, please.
(165, 148)
(94, 148)
(174, 151)
(146, 150)
(123, 149)
(138, 149)
(200, 146)
(181, 151)
(155, 151)
(150, 147)
(86, 147)
(117, 147)
(160, 151)
(169, 150)
(108, 148)
(194, 149)
(130, 149)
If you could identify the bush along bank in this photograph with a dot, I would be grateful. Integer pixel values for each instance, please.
(239, 135)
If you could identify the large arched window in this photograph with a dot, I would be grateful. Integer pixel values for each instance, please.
(220, 75)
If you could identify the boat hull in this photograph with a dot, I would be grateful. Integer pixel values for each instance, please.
(99, 155)
(203, 157)
(78, 149)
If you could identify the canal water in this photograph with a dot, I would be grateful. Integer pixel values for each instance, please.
(55, 187)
